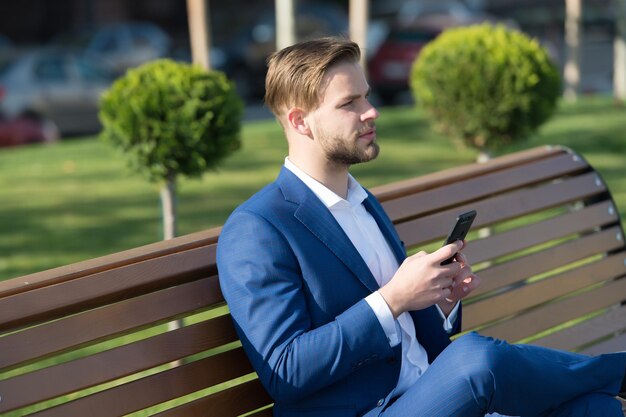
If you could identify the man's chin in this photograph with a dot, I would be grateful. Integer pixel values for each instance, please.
(357, 155)
(373, 150)
(369, 154)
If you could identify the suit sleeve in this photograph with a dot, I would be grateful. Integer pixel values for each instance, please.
(262, 284)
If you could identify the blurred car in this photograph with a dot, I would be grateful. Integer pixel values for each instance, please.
(417, 24)
(23, 130)
(119, 46)
(244, 59)
(124, 45)
(57, 85)
(389, 68)
(414, 10)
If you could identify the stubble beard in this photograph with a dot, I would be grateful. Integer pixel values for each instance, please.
(346, 151)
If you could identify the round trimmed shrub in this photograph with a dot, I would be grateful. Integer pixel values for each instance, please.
(172, 118)
(485, 85)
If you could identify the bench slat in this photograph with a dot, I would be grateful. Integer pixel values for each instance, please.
(530, 295)
(586, 332)
(108, 262)
(459, 173)
(115, 363)
(616, 344)
(158, 388)
(523, 267)
(545, 317)
(474, 188)
(503, 207)
(560, 226)
(230, 402)
(263, 413)
(105, 287)
(106, 322)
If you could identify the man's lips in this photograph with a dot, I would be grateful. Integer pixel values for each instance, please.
(368, 134)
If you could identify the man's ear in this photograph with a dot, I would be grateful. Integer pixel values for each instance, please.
(297, 120)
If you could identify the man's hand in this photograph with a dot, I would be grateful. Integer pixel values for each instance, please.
(464, 283)
(421, 281)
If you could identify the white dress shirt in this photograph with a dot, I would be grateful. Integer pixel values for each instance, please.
(367, 238)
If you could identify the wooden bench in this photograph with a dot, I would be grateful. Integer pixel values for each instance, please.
(92, 339)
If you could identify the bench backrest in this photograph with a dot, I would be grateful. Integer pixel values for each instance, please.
(93, 339)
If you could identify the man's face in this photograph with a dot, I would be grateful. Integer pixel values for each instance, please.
(343, 124)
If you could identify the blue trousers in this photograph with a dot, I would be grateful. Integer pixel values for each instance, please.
(477, 375)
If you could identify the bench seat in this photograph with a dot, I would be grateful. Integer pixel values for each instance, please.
(147, 332)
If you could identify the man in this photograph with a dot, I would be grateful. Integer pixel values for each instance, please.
(333, 316)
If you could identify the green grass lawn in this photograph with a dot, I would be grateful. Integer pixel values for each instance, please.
(76, 200)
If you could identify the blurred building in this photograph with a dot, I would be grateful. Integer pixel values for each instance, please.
(37, 21)
(40, 21)
(241, 33)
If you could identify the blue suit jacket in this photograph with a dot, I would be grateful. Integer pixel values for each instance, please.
(296, 286)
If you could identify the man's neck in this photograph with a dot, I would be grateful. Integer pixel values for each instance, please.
(332, 176)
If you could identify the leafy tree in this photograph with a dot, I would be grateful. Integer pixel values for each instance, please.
(172, 119)
(485, 85)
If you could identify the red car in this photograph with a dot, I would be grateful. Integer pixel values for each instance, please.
(23, 130)
(390, 67)
(417, 24)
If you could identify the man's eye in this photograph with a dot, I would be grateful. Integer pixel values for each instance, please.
(347, 103)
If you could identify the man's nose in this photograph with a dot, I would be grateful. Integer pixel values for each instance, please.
(370, 113)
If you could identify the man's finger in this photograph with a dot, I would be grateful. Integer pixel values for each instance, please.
(445, 282)
(460, 257)
(452, 270)
(419, 254)
(469, 284)
(446, 292)
(474, 282)
(447, 251)
(464, 272)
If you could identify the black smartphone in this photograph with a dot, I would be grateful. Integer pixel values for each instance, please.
(459, 231)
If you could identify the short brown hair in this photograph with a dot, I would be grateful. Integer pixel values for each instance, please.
(295, 73)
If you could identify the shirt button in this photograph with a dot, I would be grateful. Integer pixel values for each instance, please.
(380, 402)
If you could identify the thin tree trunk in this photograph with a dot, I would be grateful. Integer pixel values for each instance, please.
(573, 36)
(359, 14)
(168, 206)
(199, 32)
(483, 156)
(285, 23)
(619, 65)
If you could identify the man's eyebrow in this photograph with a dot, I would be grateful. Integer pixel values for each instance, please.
(355, 96)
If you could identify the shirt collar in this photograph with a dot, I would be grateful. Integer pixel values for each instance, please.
(356, 193)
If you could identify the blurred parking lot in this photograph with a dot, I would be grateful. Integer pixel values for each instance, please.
(52, 74)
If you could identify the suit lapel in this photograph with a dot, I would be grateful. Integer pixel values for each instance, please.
(317, 218)
(386, 227)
